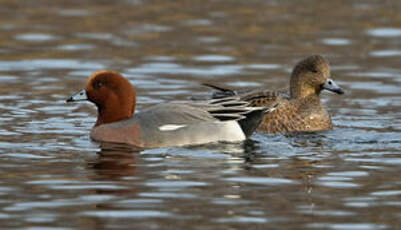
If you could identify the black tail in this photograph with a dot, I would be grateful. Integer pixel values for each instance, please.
(218, 88)
(221, 92)
(252, 120)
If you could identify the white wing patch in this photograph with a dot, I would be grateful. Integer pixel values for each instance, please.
(171, 127)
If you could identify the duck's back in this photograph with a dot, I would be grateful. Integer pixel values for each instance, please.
(260, 98)
(169, 125)
(292, 115)
(178, 124)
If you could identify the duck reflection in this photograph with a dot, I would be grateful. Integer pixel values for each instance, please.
(115, 162)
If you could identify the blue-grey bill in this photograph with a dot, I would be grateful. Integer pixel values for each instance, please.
(80, 96)
(332, 86)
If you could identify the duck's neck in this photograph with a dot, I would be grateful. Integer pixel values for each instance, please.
(300, 90)
(116, 109)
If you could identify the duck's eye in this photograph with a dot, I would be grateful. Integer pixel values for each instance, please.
(314, 70)
(98, 84)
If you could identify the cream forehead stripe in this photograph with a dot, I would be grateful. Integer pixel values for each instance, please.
(170, 127)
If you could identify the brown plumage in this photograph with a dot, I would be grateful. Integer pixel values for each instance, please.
(300, 109)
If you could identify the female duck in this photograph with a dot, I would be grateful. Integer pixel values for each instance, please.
(300, 109)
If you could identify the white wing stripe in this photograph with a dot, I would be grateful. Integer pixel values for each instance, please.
(170, 127)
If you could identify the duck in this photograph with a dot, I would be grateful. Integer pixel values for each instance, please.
(300, 108)
(183, 123)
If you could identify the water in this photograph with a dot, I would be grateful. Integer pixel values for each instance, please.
(53, 177)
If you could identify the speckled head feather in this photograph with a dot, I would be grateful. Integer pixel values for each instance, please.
(308, 76)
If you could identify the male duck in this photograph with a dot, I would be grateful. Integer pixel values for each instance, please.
(171, 124)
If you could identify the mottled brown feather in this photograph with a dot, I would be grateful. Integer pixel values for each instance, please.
(299, 107)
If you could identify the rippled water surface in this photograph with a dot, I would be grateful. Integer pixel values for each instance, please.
(53, 177)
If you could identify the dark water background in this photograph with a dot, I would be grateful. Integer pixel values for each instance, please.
(53, 177)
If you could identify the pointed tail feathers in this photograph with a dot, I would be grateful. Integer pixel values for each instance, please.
(252, 120)
(221, 92)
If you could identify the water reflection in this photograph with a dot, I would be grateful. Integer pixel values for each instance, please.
(115, 162)
(54, 176)
(31, 65)
(336, 41)
(385, 32)
(385, 53)
(35, 37)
